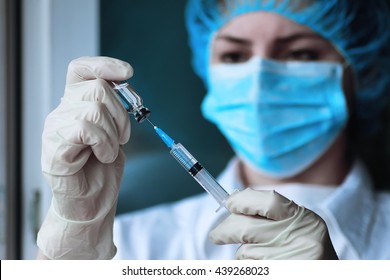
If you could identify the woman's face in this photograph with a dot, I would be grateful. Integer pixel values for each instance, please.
(270, 36)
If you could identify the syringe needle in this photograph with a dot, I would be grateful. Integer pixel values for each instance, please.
(150, 123)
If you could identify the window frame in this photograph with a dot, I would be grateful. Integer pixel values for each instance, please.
(53, 33)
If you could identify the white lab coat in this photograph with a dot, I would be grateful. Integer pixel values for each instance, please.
(358, 220)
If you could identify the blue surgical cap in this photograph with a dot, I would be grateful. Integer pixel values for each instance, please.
(359, 29)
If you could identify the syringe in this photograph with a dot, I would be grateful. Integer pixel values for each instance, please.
(134, 105)
(196, 170)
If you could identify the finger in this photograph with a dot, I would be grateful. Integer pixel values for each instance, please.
(99, 92)
(93, 112)
(66, 150)
(238, 228)
(268, 204)
(273, 251)
(89, 68)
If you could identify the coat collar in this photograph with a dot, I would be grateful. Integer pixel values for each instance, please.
(352, 207)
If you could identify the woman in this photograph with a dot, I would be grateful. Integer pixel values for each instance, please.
(286, 82)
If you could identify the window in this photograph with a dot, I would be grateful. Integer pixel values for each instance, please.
(52, 33)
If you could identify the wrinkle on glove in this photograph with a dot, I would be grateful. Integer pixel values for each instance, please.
(83, 161)
(90, 118)
(79, 222)
(269, 226)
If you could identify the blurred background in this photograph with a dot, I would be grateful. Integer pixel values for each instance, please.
(38, 38)
(151, 36)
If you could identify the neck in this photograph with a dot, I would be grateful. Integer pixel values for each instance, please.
(330, 169)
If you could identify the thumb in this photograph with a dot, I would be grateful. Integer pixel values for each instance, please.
(268, 204)
(98, 67)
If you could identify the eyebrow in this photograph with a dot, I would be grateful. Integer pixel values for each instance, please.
(297, 36)
(281, 40)
(234, 39)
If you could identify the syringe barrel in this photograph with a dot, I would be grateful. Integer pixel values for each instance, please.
(210, 184)
(200, 174)
(183, 156)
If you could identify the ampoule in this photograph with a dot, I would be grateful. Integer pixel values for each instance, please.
(131, 100)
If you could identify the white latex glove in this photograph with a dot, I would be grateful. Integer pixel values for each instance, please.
(269, 226)
(83, 161)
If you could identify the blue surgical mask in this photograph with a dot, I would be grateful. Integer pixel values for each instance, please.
(279, 117)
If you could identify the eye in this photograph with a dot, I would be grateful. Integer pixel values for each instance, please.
(233, 57)
(303, 55)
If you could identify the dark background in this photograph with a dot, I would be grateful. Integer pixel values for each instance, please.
(151, 36)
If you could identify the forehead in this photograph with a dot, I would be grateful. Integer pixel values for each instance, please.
(262, 25)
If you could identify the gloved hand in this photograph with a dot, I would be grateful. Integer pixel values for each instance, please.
(83, 161)
(270, 226)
